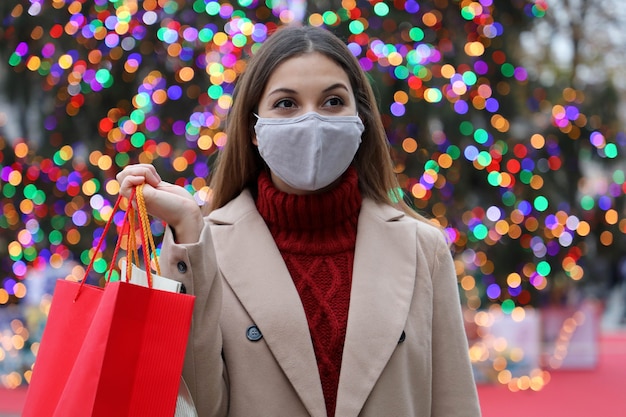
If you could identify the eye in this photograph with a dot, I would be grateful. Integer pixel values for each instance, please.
(333, 102)
(285, 104)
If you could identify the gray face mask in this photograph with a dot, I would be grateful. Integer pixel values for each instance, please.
(311, 151)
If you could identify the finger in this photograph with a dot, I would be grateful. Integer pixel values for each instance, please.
(147, 171)
(129, 182)
(174, 189)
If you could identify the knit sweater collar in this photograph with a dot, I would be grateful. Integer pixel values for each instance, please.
(299, 221)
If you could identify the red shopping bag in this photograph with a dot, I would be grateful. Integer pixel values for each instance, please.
(111, 352)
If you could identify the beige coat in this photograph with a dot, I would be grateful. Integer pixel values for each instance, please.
(405, 352)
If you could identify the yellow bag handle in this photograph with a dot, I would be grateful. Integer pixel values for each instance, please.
(146, 236)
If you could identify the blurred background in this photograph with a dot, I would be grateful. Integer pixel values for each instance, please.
(506, 124)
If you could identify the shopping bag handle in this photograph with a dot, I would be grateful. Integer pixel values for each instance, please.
(147, 239)
(128, 226)
(146, 233)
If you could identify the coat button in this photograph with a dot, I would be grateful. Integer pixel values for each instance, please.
(182, 267)
(253, 333)
(402, 337)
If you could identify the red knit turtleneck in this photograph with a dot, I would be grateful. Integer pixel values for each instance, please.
(316, 235)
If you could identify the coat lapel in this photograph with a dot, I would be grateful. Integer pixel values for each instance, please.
(382, 289)
(255, 270)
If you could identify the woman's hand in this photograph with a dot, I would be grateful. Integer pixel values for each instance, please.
(168, 202)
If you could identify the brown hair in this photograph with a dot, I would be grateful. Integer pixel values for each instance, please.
(239, 162)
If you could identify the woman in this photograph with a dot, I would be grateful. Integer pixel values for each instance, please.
(319, 292)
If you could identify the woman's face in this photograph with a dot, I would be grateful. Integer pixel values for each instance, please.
(306, 83)
(309, 82)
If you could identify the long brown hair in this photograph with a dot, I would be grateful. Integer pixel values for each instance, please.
(239, 162)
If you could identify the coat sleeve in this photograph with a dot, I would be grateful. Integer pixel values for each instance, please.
(454, 390)
(196, 267)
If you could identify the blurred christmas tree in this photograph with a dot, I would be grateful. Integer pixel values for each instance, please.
(490, 152)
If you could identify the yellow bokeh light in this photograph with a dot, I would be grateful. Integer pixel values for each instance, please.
(121, 28)
(112, 187)
(198, 183)
(247, 28)
(518, 314)
(174, 50)
(500, 123)
(478, 102)
(542, 282)
(19, 290)
(56, 260)
(395, 59)
(500, 344)
(100, 33)
(499, 363)
(444, 160)
(606, 238)
(409, 145)
(348, 4)
(502, 227)
(468, 282)
(401, 97)
(73, 236)
(205, 142)
(430, 19)
(516, 354)
(225, 101)
(523, 382)
(448, 71)
(33, 63)
(220, 139)
(75, 7)
(531, 224)
(229, 75)
(558, 110)
(459, 88)
(105, 162)
(186, 74)
(611, 216)
(66, 61)
(24, 237)
(286, 16)
(159, 96)
(536, 182)
(432, 95)
(583, 228)
(94, 56)
(21, 150)
(26, 206)
(316, 19)
(15, 249)
(474, 48)
(66, 152)
(537, 141)
(504, 377)
(220, 38)
(418, 191)
(12, 380)
(514, 280)
(180, 164)
(4, 296)
(517, 216)
(89, 188)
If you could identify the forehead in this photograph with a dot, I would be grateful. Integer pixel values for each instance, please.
(306, 69)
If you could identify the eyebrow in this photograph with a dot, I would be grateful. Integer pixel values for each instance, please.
(326, 90)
